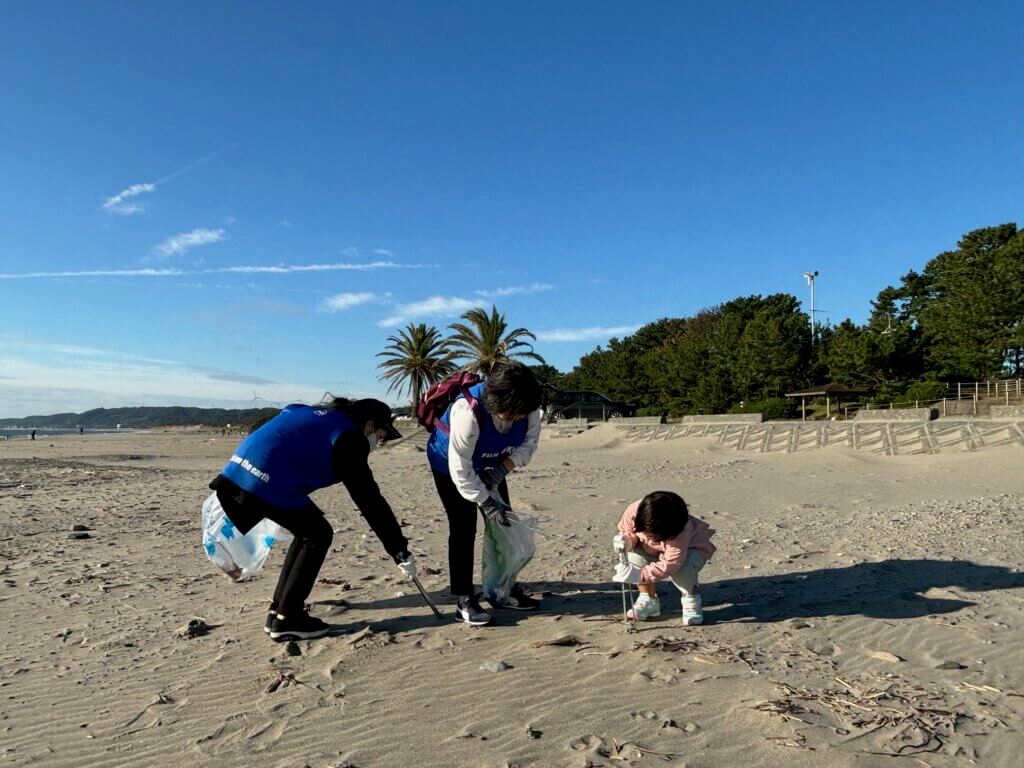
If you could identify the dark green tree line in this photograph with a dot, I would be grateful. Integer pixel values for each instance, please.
(960, 318)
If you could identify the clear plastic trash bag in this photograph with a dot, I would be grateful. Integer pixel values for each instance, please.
(506, 552)
(240, 557)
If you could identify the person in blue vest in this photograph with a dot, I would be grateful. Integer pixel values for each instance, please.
(479, 440)
(272, 473)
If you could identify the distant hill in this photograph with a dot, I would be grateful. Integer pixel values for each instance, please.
(145, 418)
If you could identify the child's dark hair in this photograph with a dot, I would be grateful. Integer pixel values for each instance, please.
(511, 389)
(662, 515)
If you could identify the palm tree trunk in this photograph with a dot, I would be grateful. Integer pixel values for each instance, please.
(415, 394)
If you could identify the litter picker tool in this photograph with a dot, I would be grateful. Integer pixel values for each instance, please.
(426, 598)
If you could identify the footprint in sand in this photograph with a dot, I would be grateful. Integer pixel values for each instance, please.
(645, 715)
(585, 743)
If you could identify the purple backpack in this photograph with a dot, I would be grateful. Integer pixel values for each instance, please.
(441, 395)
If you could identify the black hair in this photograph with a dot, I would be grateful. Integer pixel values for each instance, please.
(662, 515)
(511, 389)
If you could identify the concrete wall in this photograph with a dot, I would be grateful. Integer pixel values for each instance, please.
(628, 421)
(566, 423)
(898, 414)
(1007, 412)
(725, 418)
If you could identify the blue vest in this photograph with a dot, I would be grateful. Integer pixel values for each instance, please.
(289, 457)
(492, 446)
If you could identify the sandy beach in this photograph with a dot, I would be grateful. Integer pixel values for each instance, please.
(862, 610)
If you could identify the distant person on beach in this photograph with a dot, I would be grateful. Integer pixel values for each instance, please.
(660, 540)
(485, 434)
(271, 475)
(33, 435)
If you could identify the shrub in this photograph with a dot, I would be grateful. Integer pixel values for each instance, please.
(770, 407)
(650, 410)
(925, 391)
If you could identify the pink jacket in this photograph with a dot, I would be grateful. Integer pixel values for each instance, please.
(671, 553)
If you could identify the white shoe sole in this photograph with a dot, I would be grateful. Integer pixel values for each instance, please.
(465, 620)
(692, 621)
(632, 616)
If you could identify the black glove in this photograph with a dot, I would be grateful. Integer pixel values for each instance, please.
(492, 476)
(496, 511)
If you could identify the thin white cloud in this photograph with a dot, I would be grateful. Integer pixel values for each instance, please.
(342, 301)
(514, 290)
(382, 252)
(591, 333)
(124, 202)
(274, 269)
(179, 244)
(435, 306)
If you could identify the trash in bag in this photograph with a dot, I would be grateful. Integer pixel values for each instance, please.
(506, 552)
(240, 557)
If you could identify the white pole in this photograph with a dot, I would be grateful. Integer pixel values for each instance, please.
(810, 281)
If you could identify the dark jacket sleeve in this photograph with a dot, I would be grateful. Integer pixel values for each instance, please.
(351, 452)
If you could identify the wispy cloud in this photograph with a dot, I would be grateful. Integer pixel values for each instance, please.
(514, 290)
(342, 301)
(124, 203)
(590, 333)
(435, 306)
(382, 252)
(246, 269)
(179, 244)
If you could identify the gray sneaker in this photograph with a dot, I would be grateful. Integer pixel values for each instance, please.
(469, 612)
(693, 610)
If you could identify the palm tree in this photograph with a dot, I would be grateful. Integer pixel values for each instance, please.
(484, 339)
(414, 359)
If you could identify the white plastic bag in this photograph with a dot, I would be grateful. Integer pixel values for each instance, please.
(240, 557)
(506, 552)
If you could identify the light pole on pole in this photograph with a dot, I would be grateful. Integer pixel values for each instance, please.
(810, 281)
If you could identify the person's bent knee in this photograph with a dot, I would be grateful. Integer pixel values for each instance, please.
(637, 559)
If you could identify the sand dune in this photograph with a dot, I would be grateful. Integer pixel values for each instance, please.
(843, 582)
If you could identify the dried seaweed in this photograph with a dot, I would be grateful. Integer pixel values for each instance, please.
(914, 719)
(703, 652)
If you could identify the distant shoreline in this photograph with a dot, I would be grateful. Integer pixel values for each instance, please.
(26, 432)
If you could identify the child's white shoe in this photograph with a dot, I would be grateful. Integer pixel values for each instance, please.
(645, 607)
(693, 610)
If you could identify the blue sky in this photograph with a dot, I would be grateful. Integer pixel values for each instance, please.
(203, 201)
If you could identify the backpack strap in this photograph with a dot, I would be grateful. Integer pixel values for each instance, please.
(474, 404)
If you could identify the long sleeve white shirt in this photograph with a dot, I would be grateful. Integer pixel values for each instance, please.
(464, 432)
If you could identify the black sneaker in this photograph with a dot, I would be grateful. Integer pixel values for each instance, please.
(470, 612)
(518, 600)
(301, 626)
(271, 615)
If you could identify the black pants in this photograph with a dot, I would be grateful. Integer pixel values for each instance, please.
(313, 536)
(462, 517)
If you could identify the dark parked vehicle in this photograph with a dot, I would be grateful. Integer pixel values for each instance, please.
(587, 405)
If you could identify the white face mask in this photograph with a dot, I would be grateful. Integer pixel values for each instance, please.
(503, 427)
(373, 440)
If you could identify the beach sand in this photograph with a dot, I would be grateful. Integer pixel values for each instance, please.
(842, 583)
